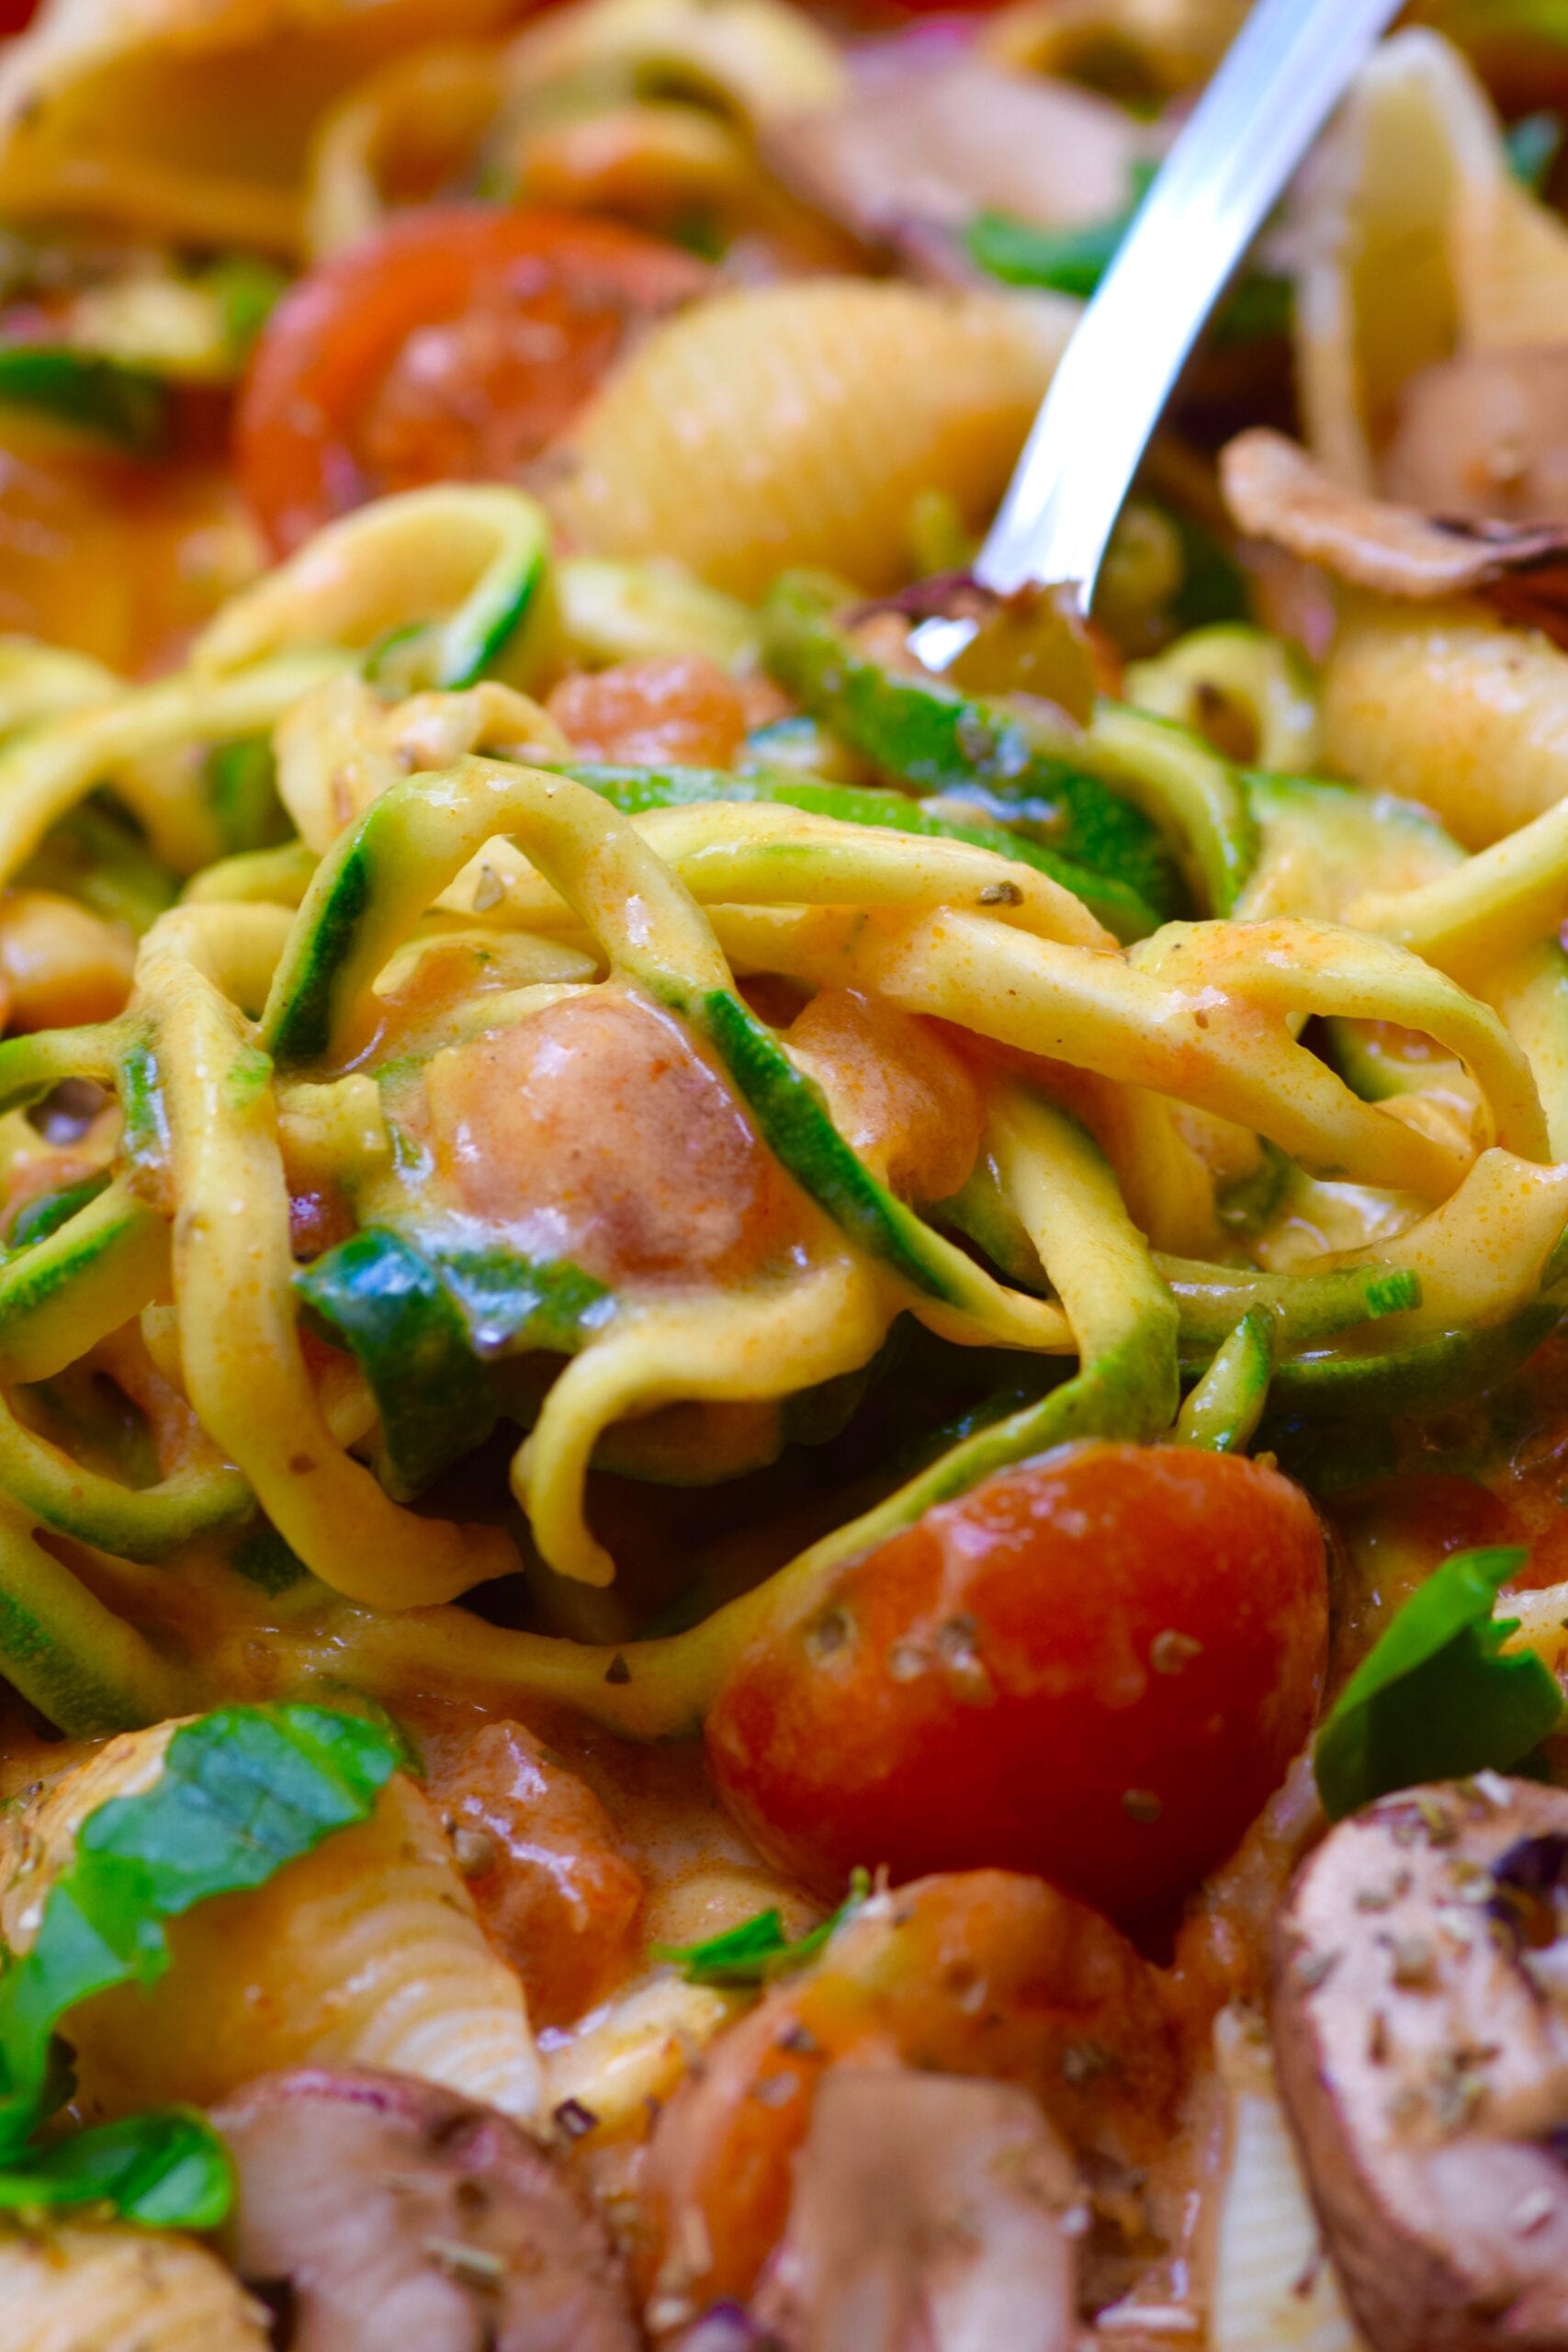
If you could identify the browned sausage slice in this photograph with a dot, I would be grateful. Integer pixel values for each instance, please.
(1421, 2028)
(377, 2212)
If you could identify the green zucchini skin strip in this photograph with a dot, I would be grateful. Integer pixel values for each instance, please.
(102, 1266)
(636, 790)
(31, 1066)
(375, 885)
(1195, 796)
(944, 741)
(84, 1669)
(1226, 1406)
(1125, 1320)
(1426, 1378)
(797, 1129)
(144, 1524)
(488, 628)
(51, 1210)
(1306, 1308)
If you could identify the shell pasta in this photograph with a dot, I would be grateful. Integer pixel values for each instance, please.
(780, 1437)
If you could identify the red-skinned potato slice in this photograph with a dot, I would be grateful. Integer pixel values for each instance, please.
(1420, 2021)
(380, 2214)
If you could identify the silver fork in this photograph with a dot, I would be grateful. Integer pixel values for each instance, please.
(1278, 82)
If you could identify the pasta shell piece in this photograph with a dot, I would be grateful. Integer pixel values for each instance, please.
(111, 2289)
(366, 1951)
(1177, 42)
(626, 2060)
(37, 1840)
(191, 118)
(795, 425)
(1419, 246)
(1443, 705)
(1273, 2287)
(756, 58)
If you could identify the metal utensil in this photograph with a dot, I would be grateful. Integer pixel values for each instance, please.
(1276, 87)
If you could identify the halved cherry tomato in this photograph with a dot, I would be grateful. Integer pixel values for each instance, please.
(1095, 1667)
(979, 1973)
(452, 345)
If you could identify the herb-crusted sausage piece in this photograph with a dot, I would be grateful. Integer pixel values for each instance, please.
(1421, 2027)
(377, 2211)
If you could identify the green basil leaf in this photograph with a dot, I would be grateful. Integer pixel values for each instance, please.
(424, 1320)
(1066, 260)
(167, 2170)
(759, 1949)
(107, 398)
(1436, 1698)
(1074, 259)
(242, 1791)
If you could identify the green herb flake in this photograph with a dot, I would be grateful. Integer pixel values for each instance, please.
(1436, 1698)
(758, 1950)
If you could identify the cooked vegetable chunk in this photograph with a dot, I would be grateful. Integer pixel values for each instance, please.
(1096, 1666)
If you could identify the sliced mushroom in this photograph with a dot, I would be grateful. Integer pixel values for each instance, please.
(928, 2213)
(1484, 434)
(1421, 2031)
(1278, 493)
(378, 2212)
(911, 154)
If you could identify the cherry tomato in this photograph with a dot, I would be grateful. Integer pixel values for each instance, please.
(15, 15)
(898, 1986)
(452, 345)
(1095, 1667)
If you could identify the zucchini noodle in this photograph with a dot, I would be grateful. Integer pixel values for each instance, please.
(1117, 1085)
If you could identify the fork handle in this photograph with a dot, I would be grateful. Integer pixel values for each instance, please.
(1275, 88)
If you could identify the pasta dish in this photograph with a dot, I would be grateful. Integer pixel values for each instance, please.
(782, 1443)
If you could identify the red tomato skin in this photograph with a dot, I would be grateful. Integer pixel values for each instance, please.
(328, 348)
(1096, 1668)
